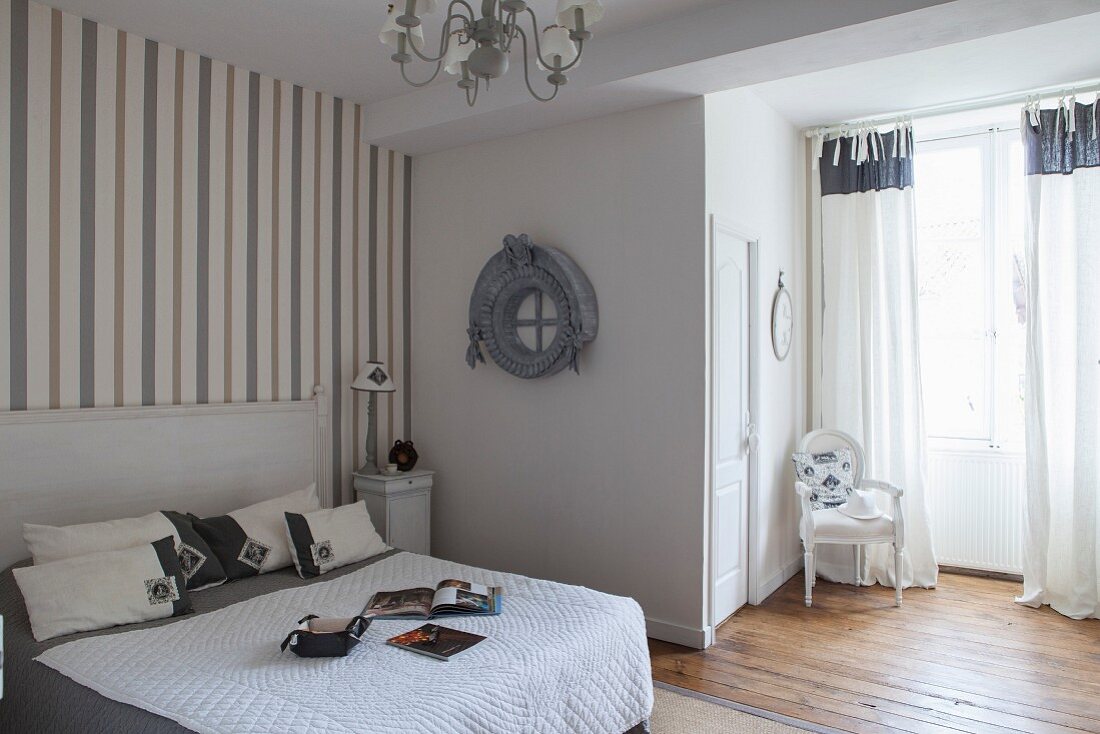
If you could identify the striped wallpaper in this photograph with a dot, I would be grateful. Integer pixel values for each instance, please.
(178, 230)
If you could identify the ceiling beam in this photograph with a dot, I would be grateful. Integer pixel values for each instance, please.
(719, 48)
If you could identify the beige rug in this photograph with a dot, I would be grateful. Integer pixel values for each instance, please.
(674, 713)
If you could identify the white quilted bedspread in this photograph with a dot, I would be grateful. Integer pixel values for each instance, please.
(560, 659)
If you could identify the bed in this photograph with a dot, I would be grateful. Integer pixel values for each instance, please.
(560, 659)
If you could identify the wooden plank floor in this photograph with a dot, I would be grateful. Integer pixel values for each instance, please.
(959, 658)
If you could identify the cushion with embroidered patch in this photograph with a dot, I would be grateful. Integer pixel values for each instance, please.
(325, 540)
(104, 589)
(252, 540)
(827, 474)
(200, 566)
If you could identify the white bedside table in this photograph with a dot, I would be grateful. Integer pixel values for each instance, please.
(399, 506)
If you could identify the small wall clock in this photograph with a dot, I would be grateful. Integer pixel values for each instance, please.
(782, 321)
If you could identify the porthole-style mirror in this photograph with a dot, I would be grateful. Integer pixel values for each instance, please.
(533, 310)
(536, 319)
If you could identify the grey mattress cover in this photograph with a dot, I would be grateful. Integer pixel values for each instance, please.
(38, 699)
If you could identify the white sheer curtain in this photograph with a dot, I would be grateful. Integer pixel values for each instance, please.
(870, 382)
(1063, 360)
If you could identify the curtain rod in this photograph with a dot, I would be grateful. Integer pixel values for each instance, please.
(1063, 90)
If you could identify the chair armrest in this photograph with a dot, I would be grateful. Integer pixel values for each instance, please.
(886, 487)
(806, 524)
(899, 511)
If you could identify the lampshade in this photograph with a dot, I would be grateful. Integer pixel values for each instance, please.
(556, 42)
(457, 53)
(593, 11)
(373, 377)
(390, 30)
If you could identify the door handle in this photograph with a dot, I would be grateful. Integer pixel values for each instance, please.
(752, 439)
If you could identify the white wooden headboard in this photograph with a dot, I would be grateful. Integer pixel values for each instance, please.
(60, 467)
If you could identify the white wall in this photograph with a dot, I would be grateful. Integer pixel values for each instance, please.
(596, 479)
(755, 175)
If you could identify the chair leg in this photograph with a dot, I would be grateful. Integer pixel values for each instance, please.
(897, 575)
(809, 573)
(855, 561)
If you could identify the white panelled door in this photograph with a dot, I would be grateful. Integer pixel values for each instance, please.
(732, 424)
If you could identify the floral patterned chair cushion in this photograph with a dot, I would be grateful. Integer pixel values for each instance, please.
(828, 475)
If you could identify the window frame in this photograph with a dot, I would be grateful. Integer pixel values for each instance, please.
(994, 146)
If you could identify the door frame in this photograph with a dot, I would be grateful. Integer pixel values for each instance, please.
(727, 226)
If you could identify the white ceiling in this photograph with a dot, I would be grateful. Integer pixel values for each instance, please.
(832, 58)
(329, 45)
(1040, 56)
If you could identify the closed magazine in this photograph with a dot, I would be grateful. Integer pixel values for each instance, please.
(449, 597)
(441, 643)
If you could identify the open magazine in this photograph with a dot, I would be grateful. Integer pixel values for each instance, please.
(449, 597)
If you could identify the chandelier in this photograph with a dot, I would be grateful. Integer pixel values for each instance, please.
(476, 49)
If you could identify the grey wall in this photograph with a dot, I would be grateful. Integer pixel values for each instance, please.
(595, 479)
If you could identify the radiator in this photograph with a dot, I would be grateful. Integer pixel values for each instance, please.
(977, 501)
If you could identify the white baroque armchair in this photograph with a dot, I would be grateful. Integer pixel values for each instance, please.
(833, 527)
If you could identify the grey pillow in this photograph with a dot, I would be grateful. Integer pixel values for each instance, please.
(828, 475)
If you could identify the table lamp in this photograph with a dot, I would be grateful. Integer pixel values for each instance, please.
(373, 377)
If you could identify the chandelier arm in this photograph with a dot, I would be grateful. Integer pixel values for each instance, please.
(444, 40)
(508, 33)
(527, 74)
(575, 61)
(509, 23)
(463, 3)
(538, 49)
(411, 83)
(470, 101)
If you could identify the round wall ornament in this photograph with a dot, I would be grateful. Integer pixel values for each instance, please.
(532, 309)
(782, 321)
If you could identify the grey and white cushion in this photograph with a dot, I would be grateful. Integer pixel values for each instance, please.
(200, 566)
(827, 474)
(328, 539)
(97, 590)
(252, 540)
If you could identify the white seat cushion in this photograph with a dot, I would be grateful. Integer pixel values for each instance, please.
(835, 524)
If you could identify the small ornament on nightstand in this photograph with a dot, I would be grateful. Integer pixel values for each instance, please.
(404, 455)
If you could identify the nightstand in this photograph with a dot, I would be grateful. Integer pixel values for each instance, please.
(399, 506)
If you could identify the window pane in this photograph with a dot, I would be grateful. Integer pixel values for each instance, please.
(953, 288)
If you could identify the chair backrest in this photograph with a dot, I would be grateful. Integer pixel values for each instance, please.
(829, 439)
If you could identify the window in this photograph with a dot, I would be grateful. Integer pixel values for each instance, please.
(970, 201)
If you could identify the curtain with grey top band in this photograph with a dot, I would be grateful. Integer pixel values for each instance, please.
(1059, 144)
(1062, 392)
(870, 371)
(872, 162)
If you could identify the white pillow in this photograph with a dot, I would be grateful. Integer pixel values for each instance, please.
(325, 540)
(48, 543)
(98, 590)
(252, 540)
(201, 568)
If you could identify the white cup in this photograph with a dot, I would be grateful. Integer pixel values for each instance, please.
(390, 469)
